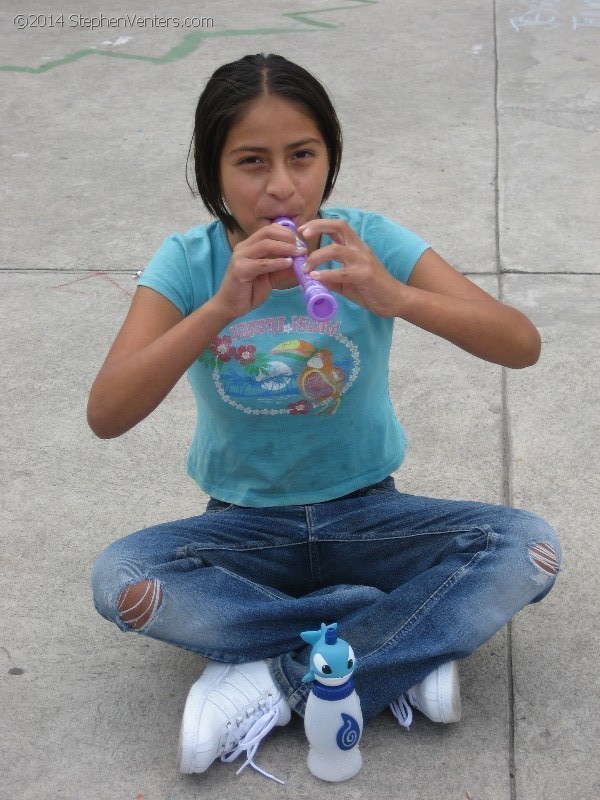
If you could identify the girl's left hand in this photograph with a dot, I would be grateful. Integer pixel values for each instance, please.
(436, 298)
(361, 278)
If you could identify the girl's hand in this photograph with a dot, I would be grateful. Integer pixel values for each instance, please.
(361, 278)
(437, 298)
(258, 265)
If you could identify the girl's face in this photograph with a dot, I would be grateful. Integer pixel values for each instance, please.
(274, 163)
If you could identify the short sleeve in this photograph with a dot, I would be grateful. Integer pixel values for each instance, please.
(169, 274)
(397, 248)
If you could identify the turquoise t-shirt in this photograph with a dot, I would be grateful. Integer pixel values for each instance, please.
(290, 411)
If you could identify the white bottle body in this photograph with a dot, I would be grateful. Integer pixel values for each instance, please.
(333, 729)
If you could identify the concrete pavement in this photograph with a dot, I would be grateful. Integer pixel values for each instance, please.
(473, 123)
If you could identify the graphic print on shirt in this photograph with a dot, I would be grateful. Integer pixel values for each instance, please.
(295, 366)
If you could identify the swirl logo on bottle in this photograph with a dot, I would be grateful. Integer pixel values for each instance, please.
(349, 734)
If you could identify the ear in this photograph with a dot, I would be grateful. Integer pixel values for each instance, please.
(312, 637)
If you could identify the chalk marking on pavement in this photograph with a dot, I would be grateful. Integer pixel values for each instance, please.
(192, 41)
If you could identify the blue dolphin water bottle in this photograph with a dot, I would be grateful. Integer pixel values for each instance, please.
(333, 719)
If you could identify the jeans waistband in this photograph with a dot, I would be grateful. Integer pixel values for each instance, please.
(386, 483)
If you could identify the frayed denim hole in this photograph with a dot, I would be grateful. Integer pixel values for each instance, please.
(136, 602)
(545, 559)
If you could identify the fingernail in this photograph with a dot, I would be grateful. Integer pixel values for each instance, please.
(305, 232)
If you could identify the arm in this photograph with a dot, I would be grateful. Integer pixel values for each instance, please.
(156, 344)
(437, 298)
(153, 349)
(444, 302)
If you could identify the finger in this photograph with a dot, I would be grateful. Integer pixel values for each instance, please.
(274, 264)
(331, 252)
(250, 268)
(270, 240)
(337, 229)
(269, 248)
(333, 277)
(279, 233)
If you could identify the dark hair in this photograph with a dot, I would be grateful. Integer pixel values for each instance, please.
(228, 92)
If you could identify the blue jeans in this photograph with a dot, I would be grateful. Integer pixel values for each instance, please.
(413, 582)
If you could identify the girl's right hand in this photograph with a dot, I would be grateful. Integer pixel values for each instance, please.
(156, 344)
(258, 264)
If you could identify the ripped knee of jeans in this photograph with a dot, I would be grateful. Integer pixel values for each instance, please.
(544, 556)
(139, 602)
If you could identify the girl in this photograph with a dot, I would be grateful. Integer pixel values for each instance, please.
(296, 437)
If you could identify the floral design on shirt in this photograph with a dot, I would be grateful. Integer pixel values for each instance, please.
(222, 350)
(295, 376)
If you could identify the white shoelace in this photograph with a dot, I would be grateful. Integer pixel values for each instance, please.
(402, 711)
(247, 734)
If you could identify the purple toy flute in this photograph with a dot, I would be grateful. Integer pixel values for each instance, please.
(320, 304)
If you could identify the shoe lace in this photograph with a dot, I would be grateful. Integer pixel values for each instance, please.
(247, 734)
(402, 711)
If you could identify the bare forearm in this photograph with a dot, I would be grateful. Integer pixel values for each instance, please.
(129, 388)
(437, 297)
(483, 327)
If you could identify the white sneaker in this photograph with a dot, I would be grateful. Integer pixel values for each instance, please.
(229, 710)
(437, 696)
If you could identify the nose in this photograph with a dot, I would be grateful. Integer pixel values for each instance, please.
(280, 183)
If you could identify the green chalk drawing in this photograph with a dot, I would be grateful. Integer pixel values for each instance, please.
(303, 16)
(192, 41)
(187, 45)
